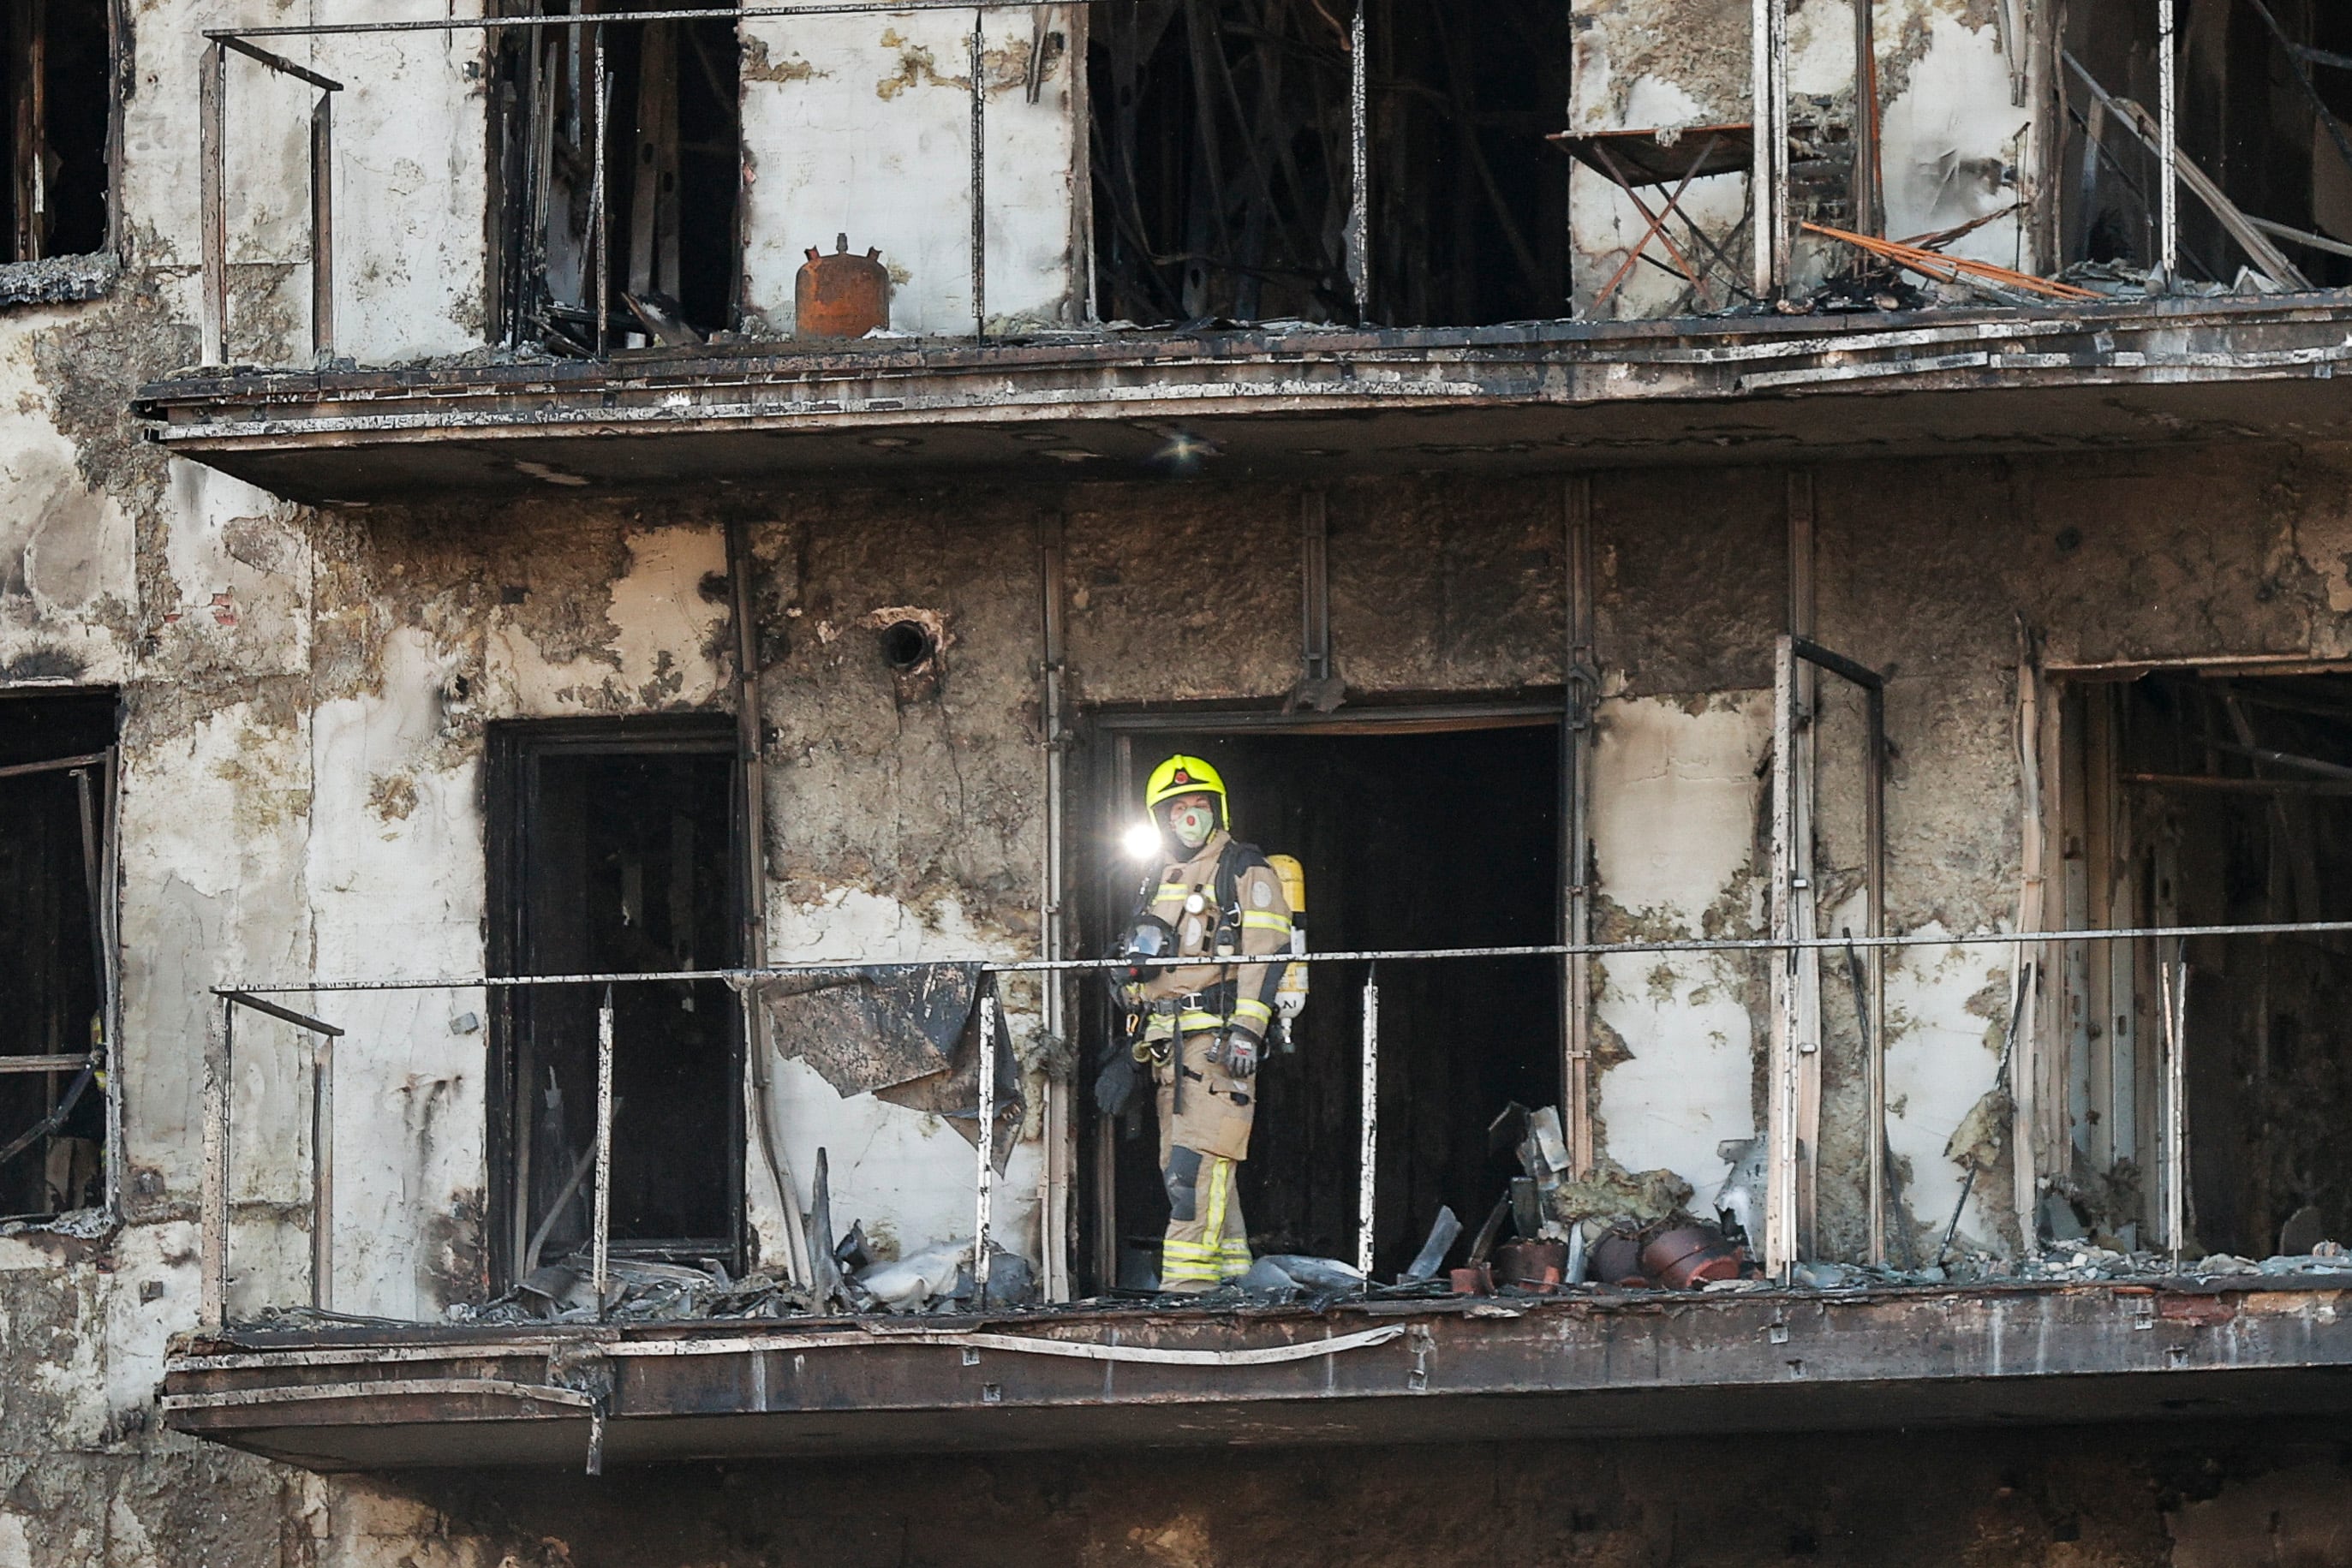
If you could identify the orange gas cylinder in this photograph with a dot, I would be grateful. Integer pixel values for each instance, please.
(841, 295)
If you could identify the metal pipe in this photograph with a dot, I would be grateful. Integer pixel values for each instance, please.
(322, 226)
(986, 1183)
(2167, 265)
(1368, 1149)
(1582, 680)
(979, 183)
(214, 1239)
(1315, 585)
(1061, 1147)
(212, 129)
(751, 741)
(322, 1173)
(601, 1270)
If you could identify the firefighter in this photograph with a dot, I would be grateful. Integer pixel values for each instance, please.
(1203, 1025)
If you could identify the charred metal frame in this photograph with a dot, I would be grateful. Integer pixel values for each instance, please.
(1792, 1076)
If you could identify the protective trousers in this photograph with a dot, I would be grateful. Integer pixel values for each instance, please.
(1200, 1152)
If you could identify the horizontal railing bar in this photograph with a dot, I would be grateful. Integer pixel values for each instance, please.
(47, 1063)
(288, 1015)
(1547, 950)
(753, 13)
(52, 764)
(277, 62)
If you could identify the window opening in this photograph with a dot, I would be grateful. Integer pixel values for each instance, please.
(616, 852)
(56, 969)
(671, 151)
(1435, 840)
(1224, 160)
(2264, 93)
(2199, 801)
(57, 74)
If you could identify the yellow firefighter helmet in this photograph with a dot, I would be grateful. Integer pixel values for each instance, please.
(1187, 776)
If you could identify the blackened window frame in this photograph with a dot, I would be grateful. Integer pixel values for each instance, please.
(96, 770)
(118, 80)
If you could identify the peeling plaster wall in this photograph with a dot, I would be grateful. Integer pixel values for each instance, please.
(1956, 142)
(862, 126)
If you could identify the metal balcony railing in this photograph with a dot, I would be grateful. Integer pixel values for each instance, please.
(1783, 1152)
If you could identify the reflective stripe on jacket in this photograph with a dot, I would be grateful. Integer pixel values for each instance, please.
(1239, 993)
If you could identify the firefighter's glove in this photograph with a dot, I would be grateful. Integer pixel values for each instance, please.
(1119, 1082)
(1241, 1056)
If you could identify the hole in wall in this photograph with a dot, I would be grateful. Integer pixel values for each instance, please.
(908, 643)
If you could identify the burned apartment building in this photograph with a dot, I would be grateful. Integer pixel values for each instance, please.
(587, 594)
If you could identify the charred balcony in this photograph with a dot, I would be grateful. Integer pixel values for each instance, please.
(1396, 1372)
(1327, 402)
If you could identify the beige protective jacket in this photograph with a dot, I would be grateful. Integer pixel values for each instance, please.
(1214, 1111)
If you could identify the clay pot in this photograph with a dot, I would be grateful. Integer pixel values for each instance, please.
(1531, 1265)
(1690, 1256)
(1617, 1260)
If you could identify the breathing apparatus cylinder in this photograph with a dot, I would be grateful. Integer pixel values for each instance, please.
(1290, 999)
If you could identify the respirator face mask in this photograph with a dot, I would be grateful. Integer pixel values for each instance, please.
(1191, 822)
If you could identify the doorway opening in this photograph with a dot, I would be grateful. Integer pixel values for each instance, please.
(614, 850)
(2211, 800)
(1411, 837)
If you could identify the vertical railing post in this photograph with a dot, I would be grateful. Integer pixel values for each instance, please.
(1781, 1076)
(2167, 201)
(600, 245)
(1357, 243)
(213, 1233)
(1768, 176)
(1873, 1028)
(1367, 1153)
(2173, 975)
(212, 199)
(322, 227)
(979, 183)
(322, 1172)
(985, 1187)
(603, 1242)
